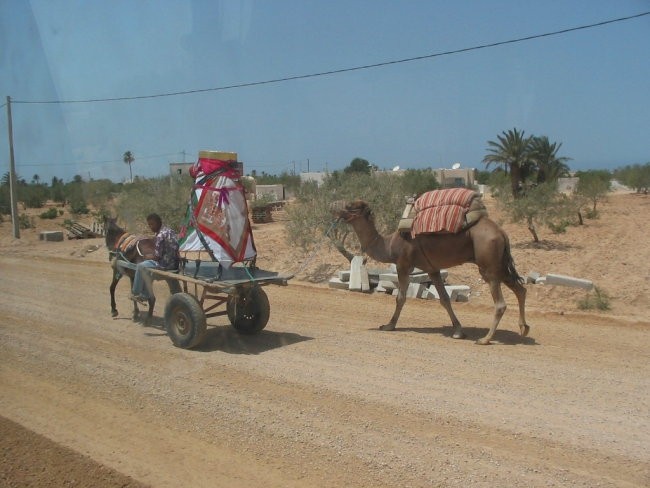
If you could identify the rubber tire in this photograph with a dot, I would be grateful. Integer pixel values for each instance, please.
(184, 320)
(249, 310)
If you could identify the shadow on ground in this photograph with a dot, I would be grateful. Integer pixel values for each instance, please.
(506, 337)
(226, 339)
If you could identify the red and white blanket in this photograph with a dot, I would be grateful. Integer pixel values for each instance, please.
(442, 211)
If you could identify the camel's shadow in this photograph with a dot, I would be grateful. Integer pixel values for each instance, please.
(228, 340)
(504, 337)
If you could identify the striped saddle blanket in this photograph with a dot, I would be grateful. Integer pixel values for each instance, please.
(127, 242)
(445, 211)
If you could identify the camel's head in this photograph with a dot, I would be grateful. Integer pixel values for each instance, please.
(351, 210)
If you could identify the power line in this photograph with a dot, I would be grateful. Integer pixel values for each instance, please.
(95, 162)
(346, 70)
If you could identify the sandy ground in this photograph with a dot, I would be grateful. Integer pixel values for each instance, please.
(321, 398)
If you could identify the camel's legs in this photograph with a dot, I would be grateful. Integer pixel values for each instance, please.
(403, 284)
(520, 292)
(499, 310)
(445, 301)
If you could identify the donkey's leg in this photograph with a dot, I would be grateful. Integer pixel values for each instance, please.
(520, 292)
(445, 301)
(152, 303)
(136, 310)
(403, 284)
(116, 279)
(499, 310)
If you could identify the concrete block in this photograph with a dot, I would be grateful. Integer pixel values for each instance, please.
(344, 276)
(419, 278)
(387, 285)
(532, 277)
(51, 235)
(337, 284)
(457, 293)
(561, 280)
(359, 280)
(415, 290)
(431, 293)
(388, 277)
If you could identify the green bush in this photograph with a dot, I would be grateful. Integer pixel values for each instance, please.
(51, 213)
(165, 196)
(78, 206)
(599, 301)
(24, 222)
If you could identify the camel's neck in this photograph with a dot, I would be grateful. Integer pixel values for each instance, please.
(372, 242)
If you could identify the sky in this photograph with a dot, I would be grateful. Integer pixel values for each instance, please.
(165, 79)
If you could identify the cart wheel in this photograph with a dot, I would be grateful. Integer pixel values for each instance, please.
(184, 320)
(249, 310)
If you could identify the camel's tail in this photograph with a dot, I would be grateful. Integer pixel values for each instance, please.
(509, 264)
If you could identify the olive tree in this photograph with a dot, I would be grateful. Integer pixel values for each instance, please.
(537, 205)
(311, 217)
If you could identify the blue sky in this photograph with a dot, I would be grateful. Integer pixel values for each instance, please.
(587, 89)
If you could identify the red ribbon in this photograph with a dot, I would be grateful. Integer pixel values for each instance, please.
(208, 166)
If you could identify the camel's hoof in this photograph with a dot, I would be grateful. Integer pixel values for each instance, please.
(113, 313)
(524, 330)
(458, 335)
(387, 327)
(483, 342)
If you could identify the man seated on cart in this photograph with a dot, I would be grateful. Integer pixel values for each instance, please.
(166, 257)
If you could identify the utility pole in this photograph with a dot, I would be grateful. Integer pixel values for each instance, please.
(12, 173)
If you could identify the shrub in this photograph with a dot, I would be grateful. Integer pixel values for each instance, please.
(78, 206)
(599, 301)
(24, 222)
(49, 214)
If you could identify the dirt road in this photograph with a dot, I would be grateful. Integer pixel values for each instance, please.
(321, 398)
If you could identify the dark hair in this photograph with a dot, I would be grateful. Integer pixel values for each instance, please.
(155, 217)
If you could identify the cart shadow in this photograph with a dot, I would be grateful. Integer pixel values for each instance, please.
(228, 340)
(503, 337)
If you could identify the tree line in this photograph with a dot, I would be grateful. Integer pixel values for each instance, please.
(522, 172)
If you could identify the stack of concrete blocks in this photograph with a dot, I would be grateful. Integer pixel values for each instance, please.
(357, 278)
(420, 286)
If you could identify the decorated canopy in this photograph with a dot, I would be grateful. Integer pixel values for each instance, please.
(216, 222)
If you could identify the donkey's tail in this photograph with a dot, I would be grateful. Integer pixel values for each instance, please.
(509, 264)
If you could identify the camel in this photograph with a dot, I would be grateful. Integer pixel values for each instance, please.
(484, 244)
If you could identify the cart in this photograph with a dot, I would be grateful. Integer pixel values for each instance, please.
(229, 283)
(206, 288)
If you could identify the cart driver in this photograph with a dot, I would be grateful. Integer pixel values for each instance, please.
(166, 257)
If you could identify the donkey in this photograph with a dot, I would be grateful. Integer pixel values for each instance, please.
(127, 247)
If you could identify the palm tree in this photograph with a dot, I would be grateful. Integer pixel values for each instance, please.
(511, 151)
(128, 159)
(550, 166)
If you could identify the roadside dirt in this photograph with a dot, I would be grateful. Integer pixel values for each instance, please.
(321, 398)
